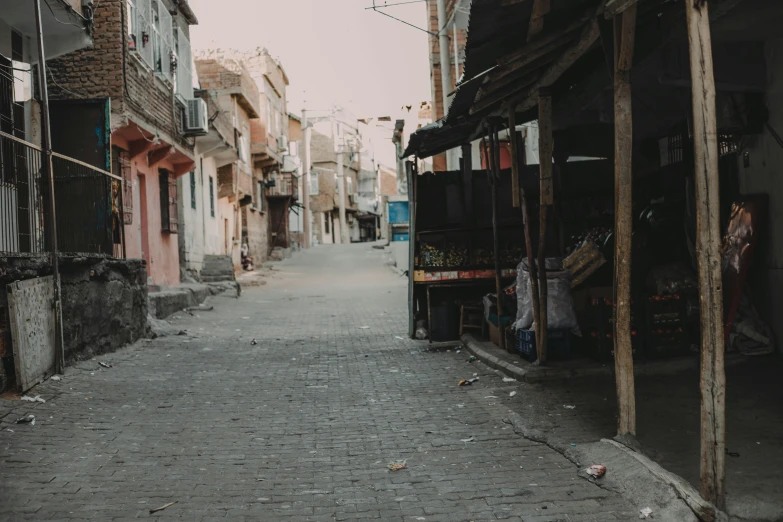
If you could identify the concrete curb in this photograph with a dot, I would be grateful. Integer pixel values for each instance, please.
(524, 371)
(474, 347)
(167, 302)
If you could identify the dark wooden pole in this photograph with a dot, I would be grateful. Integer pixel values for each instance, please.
(708, 241)
(494, 179)
(517, 158)
(48, 176)
(514, 140)
(624, 36)
(546, 199)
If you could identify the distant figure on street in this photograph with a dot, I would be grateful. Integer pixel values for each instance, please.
(247, 260)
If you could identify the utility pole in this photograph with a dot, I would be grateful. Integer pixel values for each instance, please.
(306, 176)
(48, 175)
(445, 65)
(341, 193)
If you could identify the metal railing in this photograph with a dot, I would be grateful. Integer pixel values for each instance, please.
(88, 204)
(286, 184)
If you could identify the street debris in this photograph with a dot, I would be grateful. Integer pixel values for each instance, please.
(569, 406)
(491, 397)
(364, 328)
(182, 332)
(398, 337)
(37, 398)
(509, 379)
(161, 508)
(471, 359)
(253, 342)
(596, 470)
(104, 364)
(28, 419)
(467, 382)
(469, 439)
(645, 513)
(512, 394)
(397, 466)
(56, 378)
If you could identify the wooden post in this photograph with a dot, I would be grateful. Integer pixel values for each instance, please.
(546, 199)
(467, 182)
(708, 242)
(624, 37)
(517, 158)
(494, 179)
(513, 138)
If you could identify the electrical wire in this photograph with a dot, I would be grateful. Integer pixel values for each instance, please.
(57, 19)
(51, 78)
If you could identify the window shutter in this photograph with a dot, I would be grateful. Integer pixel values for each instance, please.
(166, 29)
(163, 183)
(127, 186)
(173, 222)
(144, 36)
(184, 66)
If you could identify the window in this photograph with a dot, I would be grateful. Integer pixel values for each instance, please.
(211, 196)
(184, 73)
(193, 189)
(260, 195)
(327, 219)
(168, 201)
(349, 185)
(121, 166)
(314, 183)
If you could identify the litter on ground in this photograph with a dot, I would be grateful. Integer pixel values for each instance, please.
(569, 406)
(397, 466)
(37, 398)
(512, 394)
(509, 379)
(645, 513)
(596, 470)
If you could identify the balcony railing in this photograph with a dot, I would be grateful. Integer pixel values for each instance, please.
(286, 185)
(88, 204)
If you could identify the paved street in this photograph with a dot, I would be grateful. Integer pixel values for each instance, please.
(300, 425)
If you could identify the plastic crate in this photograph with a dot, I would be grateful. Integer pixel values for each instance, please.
(558, 344)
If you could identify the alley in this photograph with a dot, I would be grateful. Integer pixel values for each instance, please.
(301, 424)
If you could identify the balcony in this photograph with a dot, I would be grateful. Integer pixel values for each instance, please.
(286, 186)
(233, 180)
(64, 26)
(88, 204)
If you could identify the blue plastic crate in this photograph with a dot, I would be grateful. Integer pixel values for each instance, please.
(558, 344)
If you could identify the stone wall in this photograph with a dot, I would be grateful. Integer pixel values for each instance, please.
(104, 300)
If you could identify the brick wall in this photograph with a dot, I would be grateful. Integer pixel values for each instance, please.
(97, 72)
(438, 107)
(388, 182)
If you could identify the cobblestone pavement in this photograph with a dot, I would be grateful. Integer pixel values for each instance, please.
(300, 425)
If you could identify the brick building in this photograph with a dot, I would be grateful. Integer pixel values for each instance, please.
(242, 205)
(330, 134)
(140, 68)
(269, 144)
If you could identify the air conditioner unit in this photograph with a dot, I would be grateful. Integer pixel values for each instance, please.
(197, 123)
(282, 144)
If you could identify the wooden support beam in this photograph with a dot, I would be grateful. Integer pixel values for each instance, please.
(494, 179)
(546, 199)
(624, 37)
(513, 138)
(538, 13)
(518, 160)
(139, 147)
(708, 243)
(158, 155)
(467, 182)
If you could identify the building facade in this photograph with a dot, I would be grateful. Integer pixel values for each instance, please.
(241, 208)
(335, 141)
(141, 69)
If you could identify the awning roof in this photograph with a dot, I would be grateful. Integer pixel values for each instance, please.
(511, 53)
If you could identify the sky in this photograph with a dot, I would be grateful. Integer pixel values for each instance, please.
(335, 52)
